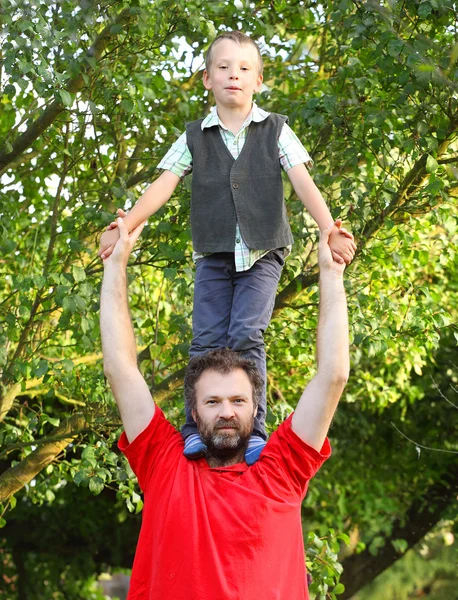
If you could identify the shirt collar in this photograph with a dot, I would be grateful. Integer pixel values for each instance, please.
(256, 115)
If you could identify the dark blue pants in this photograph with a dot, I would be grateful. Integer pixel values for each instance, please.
(232, 310)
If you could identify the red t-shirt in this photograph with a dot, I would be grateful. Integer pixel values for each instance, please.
(227, 533)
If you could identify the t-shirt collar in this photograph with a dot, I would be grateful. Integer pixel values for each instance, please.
(256, 115)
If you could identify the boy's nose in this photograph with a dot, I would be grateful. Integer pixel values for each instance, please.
(233, 75)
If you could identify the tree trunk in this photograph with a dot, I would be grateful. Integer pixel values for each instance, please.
(424, 513)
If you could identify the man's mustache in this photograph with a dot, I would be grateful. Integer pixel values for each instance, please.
(222, 423)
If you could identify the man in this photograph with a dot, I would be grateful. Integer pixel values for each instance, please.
(216, 529)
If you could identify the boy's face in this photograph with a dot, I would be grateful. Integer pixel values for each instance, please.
(234, 74)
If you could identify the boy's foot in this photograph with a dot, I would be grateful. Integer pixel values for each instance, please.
(255, 447)
(194, 447)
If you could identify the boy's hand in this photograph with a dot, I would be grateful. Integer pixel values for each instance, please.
(114, 224)
(326, 259)
(123, 247)
(108, 242)
(342, 244)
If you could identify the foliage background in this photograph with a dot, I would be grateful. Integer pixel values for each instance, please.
(93, 93)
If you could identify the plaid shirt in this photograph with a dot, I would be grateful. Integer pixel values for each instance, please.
(290, 153)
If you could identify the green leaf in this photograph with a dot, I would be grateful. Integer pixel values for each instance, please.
(79, 274)
(424, 10)
(431, 164)
(96, 485)
(395, 47)
(339, 589)
(81, 478)
(69, 304)
(66, 98)
(9, 90)
(127, 105)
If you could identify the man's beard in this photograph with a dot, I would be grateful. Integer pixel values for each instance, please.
(221, 444)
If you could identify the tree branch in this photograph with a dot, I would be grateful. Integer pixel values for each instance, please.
(53, 110)
(15, 478)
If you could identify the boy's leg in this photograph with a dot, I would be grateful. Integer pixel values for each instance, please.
(213, 291)
(252, 306)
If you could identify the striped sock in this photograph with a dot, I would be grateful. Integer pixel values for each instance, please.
(194, 447)
(255, 447)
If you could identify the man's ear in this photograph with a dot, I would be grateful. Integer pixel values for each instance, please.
(194, 414)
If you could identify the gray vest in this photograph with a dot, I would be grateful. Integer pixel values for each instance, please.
(248, 190)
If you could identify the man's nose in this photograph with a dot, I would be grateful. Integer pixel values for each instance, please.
(226, 410)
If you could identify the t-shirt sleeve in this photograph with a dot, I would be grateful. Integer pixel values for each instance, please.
(290, 461)
(158, 441)
(291, 151)
(178, 158)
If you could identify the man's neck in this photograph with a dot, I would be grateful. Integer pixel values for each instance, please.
(215, 461)
(234, 118)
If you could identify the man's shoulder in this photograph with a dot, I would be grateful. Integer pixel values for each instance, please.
(158, 429)
(284, 439)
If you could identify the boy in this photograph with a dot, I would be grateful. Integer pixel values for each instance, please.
(239, 227)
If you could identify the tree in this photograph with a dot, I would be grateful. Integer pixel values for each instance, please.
(93, 93)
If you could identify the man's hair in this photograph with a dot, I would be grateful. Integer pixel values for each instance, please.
(239, 38)
(222, 361)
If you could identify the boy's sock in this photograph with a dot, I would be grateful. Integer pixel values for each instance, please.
(194, 447)
(255, 447)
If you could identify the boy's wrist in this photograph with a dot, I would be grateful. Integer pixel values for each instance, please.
(327, 225)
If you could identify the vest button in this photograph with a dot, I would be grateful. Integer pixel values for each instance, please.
(237, 241)
(235, 185)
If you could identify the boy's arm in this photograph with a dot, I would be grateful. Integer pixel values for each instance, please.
(341, 242)
(315, 410)
(132, 395)
(151, 201)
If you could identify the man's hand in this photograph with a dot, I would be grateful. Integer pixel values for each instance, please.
(342, 243)
(328, 260)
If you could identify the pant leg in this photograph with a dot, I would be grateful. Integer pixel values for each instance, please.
(213, 292)
(252, 306)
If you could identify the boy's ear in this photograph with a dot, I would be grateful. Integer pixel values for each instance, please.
(206, 80)
(259, 81)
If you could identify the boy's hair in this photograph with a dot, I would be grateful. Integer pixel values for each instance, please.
(239, 38)
(222, 361)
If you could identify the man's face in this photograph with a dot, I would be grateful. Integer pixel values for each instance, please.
(224, 412)
(234, 74)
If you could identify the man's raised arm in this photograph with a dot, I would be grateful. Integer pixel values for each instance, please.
(315, 410)
(132, 395)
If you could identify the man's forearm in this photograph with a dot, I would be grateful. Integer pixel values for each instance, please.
(332, 338)
(118, 340)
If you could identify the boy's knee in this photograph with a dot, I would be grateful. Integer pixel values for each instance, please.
(244, 343)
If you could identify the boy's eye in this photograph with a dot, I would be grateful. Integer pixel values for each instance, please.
(223, 67)
(245, 69)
